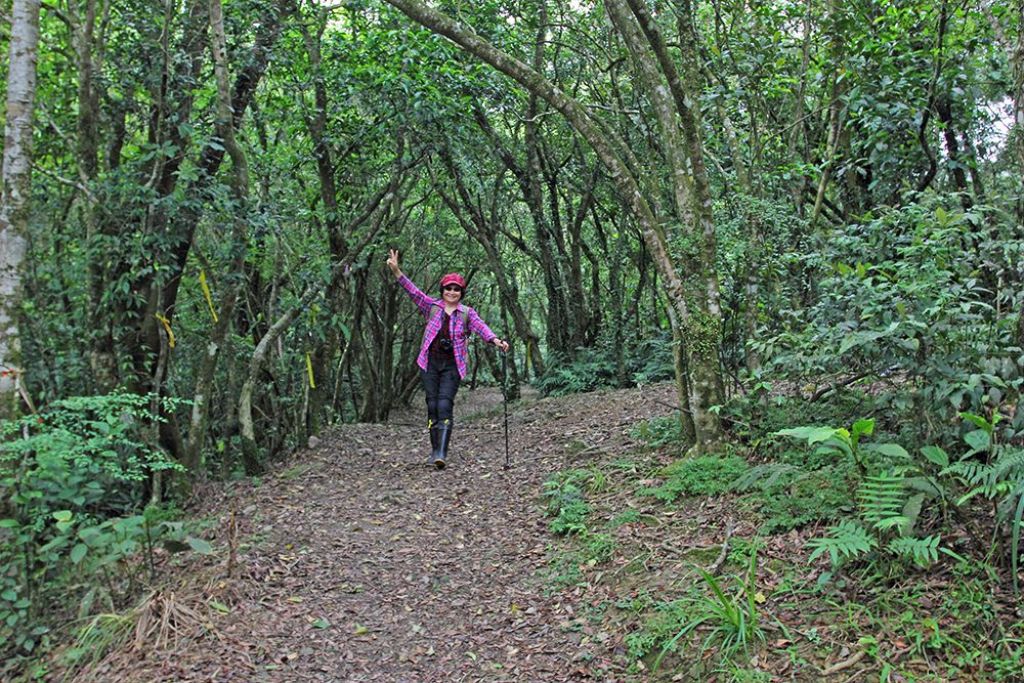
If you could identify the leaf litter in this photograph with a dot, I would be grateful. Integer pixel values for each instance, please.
(357, 562)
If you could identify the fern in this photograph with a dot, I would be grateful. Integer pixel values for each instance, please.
(1008, 467)
(845, 541)
(881, 499)
(921, 551)
(765, 476)
(989, 480)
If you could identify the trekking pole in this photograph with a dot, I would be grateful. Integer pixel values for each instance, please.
(504, 404)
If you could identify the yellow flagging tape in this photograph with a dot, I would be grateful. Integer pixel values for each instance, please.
(167, 326)
(206, 293)
(309, 369)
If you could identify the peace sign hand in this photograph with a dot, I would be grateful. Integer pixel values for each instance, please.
(393, 262)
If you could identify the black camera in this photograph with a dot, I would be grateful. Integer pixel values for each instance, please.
(445, 344)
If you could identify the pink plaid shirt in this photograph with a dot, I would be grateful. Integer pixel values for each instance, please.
(461, 325)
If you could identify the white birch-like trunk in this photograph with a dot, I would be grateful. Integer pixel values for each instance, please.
(17, 180)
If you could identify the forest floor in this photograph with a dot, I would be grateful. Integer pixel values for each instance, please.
(354, 561)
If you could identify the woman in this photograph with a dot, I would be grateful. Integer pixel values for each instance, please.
(442, 358)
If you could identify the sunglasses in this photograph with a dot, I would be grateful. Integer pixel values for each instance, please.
(452, 288)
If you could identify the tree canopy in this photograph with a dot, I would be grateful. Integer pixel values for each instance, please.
(747, 199)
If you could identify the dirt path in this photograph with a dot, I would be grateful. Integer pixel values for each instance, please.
(357, 562)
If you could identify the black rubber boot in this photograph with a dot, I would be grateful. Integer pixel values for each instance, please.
(444, 436)
(435, 442)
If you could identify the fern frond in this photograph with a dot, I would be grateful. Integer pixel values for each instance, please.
(1009, 466)
(881, 498)
(845, 541)
(971, 472)
(765, 476)
(923, 552)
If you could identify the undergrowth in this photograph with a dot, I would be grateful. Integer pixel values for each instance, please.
(865, 545)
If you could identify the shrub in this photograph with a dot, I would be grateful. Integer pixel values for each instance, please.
(72, 481)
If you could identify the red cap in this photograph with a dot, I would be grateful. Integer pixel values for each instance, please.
(453, 279)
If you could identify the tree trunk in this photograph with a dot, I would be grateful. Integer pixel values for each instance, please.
(798, 130)
(1018, 116)
(15, 203)
(234, 282)
(559, 332)
(835, 113)
(944, 110)
(696, 299)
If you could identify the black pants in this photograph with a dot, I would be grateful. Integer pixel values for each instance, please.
(440, 382)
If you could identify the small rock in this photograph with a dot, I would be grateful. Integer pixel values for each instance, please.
(313, 442)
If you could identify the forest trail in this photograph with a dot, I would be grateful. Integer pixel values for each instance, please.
(358, 562)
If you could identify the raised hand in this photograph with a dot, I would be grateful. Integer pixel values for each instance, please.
(393, 262)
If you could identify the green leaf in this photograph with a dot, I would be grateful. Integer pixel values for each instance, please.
(63, 515)
(199, 545)
(220, 607)
(978, 440)
(863, 428)
(893, 450)
(936, 455)
(977, 420)
(78, 552)
(321, 623)
(9, 524)
(812, 435)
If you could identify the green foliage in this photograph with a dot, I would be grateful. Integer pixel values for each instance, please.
(923, 552)
(802, 497)
(598, 548)
(884, 512)
(730, 619)
(566, 505)
(659, 431)
(908, 294)
(846, 443)
(1001, 480)
(658, 628)
(706, 475)
(845, 541)
(889, 503)
(768, 475)
(100, 634)
(881, 498)
(68, 476)
(591, 369)
(625, 517)
(646, 360)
